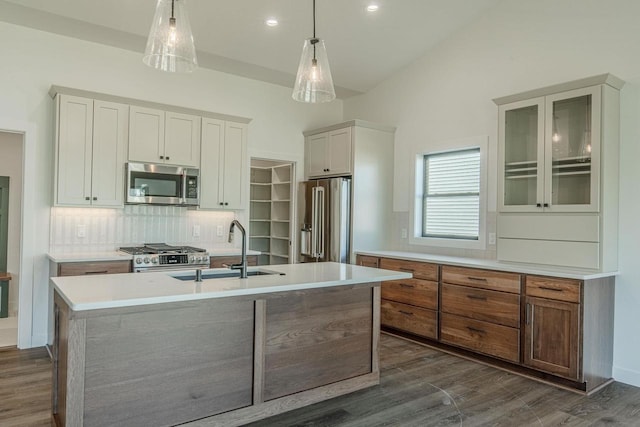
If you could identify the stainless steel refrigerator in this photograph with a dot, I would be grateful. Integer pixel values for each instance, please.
(325, 212)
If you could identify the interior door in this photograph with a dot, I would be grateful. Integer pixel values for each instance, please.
(4, 220)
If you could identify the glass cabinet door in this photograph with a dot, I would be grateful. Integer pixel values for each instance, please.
(571, 152)
(522, 143)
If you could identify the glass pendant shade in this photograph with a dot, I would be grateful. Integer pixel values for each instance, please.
(170, 44)
(314, 82)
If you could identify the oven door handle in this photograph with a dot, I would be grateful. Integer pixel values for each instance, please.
(168, 269)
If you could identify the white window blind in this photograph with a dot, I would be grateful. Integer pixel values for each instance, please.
(451, 198)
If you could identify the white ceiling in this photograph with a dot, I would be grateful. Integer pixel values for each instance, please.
(231, 36)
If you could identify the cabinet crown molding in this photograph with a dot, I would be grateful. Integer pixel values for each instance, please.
(351, 123)
(608, 79)
(55, 90)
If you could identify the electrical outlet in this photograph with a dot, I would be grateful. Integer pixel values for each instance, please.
(492, 238)
(403, 233)
(196, 231)
(81, 230)
(219, 231)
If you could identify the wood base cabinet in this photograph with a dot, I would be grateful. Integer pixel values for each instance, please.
(556, 329)
(412, 304)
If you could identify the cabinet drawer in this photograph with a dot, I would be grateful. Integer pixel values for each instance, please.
(97, 267)
(486, 279)
(553, 288)
(420, 270)
(418, 321)
(368, 261)
(483, 337)
(422, 293)
(480, 304)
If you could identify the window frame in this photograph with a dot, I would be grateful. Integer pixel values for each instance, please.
(416, 237)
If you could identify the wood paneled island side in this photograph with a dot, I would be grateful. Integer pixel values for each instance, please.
(149, 349)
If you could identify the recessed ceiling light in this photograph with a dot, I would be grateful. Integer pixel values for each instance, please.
(271, 22)
(372, 8)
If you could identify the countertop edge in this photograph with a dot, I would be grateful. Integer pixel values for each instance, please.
(542, 270)
(62, 258)
(381, 275)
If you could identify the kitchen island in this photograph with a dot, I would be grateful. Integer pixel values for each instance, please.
(151, 349)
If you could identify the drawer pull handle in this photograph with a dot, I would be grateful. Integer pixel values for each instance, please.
(407, 270)
(472, 329)
(478, 279)
(546, 288)
(477, 297)
(405, 285)
(97, 272)
(406, 313)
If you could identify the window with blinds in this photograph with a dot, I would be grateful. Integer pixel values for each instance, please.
(451, 197)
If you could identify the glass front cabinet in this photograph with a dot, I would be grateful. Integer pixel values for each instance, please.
(549, 152)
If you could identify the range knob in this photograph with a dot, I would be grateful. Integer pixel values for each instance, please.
(192, 259)
(154, 260)
(138, 260)
(146, 260)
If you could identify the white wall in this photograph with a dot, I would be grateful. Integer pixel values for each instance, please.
(34, 60)
(11, 166)
(518, 46)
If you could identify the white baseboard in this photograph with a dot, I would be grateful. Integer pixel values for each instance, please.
(626, 376)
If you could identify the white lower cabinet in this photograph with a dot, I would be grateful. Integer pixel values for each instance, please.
(224, 165)
(91, 145)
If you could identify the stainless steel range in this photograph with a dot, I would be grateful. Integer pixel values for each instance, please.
(163, 257)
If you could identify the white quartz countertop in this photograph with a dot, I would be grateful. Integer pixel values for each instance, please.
(543, 270)
(117, 255)
(132, 289)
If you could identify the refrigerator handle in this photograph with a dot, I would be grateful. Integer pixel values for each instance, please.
(314, 222)
(320, 226)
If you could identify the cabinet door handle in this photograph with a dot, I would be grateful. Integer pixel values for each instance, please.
(226, 204)
(95, 198)
(406, 285)
(477, 279)
(406, 313)
(221, 204)
(546, 288)
(528, 314)
(538, 205)
(477, 297)
(97, 272)
(162, 157)
(167, 158)
(406, 270)
(546, 205)
(472, 329)
(87, 198)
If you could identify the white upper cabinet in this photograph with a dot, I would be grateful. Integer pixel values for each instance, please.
(550, 152)
(224, 172)
(91, 141)
(329, 153)
(157, 136)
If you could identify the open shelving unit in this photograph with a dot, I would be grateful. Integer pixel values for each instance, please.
(270, 215)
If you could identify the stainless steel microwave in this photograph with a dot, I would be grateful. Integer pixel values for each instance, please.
(162, 185)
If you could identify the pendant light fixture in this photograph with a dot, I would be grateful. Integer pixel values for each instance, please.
(170, 44)
(314, 82)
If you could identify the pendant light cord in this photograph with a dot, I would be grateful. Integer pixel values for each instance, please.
(314, 40)
(314, 19)
(172, 4)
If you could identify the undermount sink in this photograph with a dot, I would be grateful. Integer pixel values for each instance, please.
(222, 274)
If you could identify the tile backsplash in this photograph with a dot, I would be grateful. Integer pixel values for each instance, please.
(98, 230)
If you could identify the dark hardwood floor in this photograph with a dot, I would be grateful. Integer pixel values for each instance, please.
(419, 387)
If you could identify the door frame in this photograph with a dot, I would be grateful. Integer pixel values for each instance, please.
(4, 220)
(32, 263)
(297, 175)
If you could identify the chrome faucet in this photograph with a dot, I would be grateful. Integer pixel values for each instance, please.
(243, 264)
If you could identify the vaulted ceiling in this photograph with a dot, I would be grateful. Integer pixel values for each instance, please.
(363, 47)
